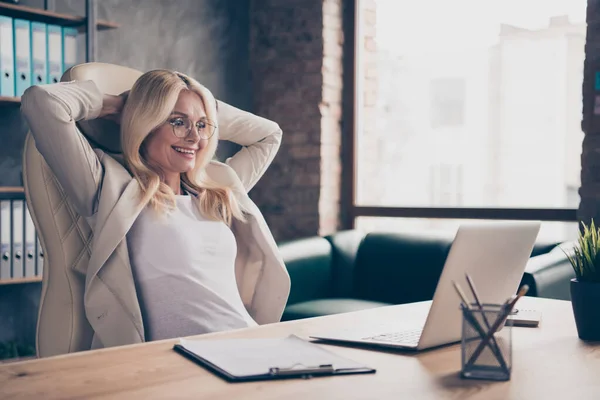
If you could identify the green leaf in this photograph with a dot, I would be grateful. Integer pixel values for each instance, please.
(585, 258)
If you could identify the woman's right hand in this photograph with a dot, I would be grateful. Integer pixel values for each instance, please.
(112, 106)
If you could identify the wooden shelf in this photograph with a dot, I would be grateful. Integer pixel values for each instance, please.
(9, 101)
(50, 17)
(12, 189)
(17, 281)
(12, 193)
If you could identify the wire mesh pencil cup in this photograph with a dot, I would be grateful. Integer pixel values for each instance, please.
(486, 343)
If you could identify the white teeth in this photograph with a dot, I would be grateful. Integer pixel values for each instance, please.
(186, 151)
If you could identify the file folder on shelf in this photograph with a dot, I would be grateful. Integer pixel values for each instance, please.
(55, 56)
(5, 240)
(69, 45)
(40, 259)
(30, 257)
(22, 40)
(18, 255)
(241, 360)
(39, 52)
(7, 59)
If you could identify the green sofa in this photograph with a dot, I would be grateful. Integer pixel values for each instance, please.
(349, 271)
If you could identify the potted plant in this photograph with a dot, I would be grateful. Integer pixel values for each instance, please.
(585, 288)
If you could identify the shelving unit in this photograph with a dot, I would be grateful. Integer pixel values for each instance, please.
(9, 101)
(88, 24)
(17, 281)
(16, 193)
(51, 17)
(8, 192)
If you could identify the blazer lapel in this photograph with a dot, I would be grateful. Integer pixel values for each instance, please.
(118, 222)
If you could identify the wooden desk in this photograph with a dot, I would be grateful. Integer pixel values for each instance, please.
(550, 362)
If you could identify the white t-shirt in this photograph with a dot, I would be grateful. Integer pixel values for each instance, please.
(184, 269)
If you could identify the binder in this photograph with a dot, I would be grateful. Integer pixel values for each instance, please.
(39, 52)
(39, 271)
(5, 245)
(18, 253)
(69, 45)
(7, 59)
(55, 56)
(243, 360)
(30, 257)
(22, 40)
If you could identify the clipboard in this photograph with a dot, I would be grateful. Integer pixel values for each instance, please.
(245, 360)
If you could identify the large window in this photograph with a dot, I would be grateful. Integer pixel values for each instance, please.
(469, 104)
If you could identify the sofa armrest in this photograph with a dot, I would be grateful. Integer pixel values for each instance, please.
(543, 248)
(548, 275)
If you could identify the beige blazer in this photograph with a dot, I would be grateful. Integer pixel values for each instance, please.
(104, 192)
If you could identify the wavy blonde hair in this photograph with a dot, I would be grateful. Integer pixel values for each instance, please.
(149, 104)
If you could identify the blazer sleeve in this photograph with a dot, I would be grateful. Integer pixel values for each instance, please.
(51, 112)
(259, 137)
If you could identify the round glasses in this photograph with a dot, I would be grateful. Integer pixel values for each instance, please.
(183, 126)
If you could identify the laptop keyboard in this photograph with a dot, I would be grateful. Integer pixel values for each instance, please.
(408, 337)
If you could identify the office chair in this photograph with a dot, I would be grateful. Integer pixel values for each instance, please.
(64, 235)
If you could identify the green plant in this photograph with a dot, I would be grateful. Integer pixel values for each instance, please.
(585, 257)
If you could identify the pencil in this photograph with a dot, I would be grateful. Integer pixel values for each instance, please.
(496, 346)
(461, 294)
(501, 318)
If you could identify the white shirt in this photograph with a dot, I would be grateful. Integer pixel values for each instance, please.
(184, 269)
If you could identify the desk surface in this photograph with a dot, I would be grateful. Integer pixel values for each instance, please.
(549, 362)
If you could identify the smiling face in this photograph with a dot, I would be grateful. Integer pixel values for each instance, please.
(172, 154)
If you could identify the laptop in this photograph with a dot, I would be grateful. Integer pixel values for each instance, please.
(493, 254)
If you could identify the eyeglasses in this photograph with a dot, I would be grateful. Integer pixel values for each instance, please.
(183, 126)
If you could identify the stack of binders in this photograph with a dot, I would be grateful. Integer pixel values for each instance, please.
(33, 53)
(20, 253)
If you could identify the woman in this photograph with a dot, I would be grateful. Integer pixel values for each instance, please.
(178, 248)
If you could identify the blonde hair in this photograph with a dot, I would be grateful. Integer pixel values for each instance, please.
(149, 104)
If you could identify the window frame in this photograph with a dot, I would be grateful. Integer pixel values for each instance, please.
(350, 211)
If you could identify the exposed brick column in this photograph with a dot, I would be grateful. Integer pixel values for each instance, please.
(368, 138)
(331, 115)
(295, 61)
(590, 159)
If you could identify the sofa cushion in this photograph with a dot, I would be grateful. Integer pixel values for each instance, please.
(400, 268)
(317, 308)
(308, 262)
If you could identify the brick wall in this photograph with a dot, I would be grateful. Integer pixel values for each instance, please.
(296, 69)
(590, 159)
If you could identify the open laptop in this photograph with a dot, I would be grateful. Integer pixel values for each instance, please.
(493, 254)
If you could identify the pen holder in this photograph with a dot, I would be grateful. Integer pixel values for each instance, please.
(486, 343)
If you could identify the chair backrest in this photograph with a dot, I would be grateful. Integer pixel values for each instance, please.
(64, 235)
